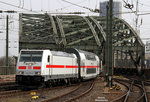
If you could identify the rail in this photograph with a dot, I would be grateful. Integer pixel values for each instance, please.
(126, 97)
(81, 90)
(143, 96)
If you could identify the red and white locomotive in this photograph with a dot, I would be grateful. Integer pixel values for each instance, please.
(42, 66)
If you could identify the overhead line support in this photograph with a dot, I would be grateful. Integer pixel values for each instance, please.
(6, 59)
(108, 46)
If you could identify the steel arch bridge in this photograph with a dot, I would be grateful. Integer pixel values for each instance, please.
(44, 31)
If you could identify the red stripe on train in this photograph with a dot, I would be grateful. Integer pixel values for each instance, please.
(22, 67)
(37, 68)
(55, 66)
(69, 66)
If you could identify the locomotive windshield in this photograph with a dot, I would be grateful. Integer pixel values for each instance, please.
(31, 56)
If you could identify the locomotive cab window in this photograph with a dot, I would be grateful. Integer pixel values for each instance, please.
(90, 57)
(48, 58)
(31, 56)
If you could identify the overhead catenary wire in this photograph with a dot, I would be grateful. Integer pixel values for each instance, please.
(140, 12)
(60, 3)
(121, 12)
(128, 5)
(42, 11)
(92, 10)
(144, 14)
(128, 12)
(17, 7)
(57, 9)
(143, 4)
(14, 5)
(67, 6)
(16, 19)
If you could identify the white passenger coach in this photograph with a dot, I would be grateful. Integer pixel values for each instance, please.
(45, 66)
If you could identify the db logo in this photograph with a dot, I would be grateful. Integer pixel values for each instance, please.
(29, 67)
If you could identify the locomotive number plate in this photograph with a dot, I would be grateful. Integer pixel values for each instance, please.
(29, 67)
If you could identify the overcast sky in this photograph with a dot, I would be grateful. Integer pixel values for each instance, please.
(56, 6)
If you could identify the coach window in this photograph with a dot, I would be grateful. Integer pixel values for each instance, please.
(48, 59)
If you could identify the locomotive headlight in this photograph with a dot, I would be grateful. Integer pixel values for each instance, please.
(37, 73)
(20, 72)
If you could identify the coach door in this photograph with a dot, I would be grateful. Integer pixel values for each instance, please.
(49, 62)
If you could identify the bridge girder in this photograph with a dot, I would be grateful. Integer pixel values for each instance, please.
(87, 33)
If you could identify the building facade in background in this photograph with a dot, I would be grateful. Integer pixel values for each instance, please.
(117, 8)
(147, 54)
(147, 47)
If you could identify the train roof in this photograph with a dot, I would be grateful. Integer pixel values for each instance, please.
(60, 53)
(87, 53)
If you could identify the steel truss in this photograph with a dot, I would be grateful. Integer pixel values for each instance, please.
(44, 31)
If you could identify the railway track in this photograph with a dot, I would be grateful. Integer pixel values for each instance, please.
(6, 94)
(136, 91)
(12, 93)
(79, 91)
(8, 86)
(6, 83)
(143, 97)
(19, 93)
